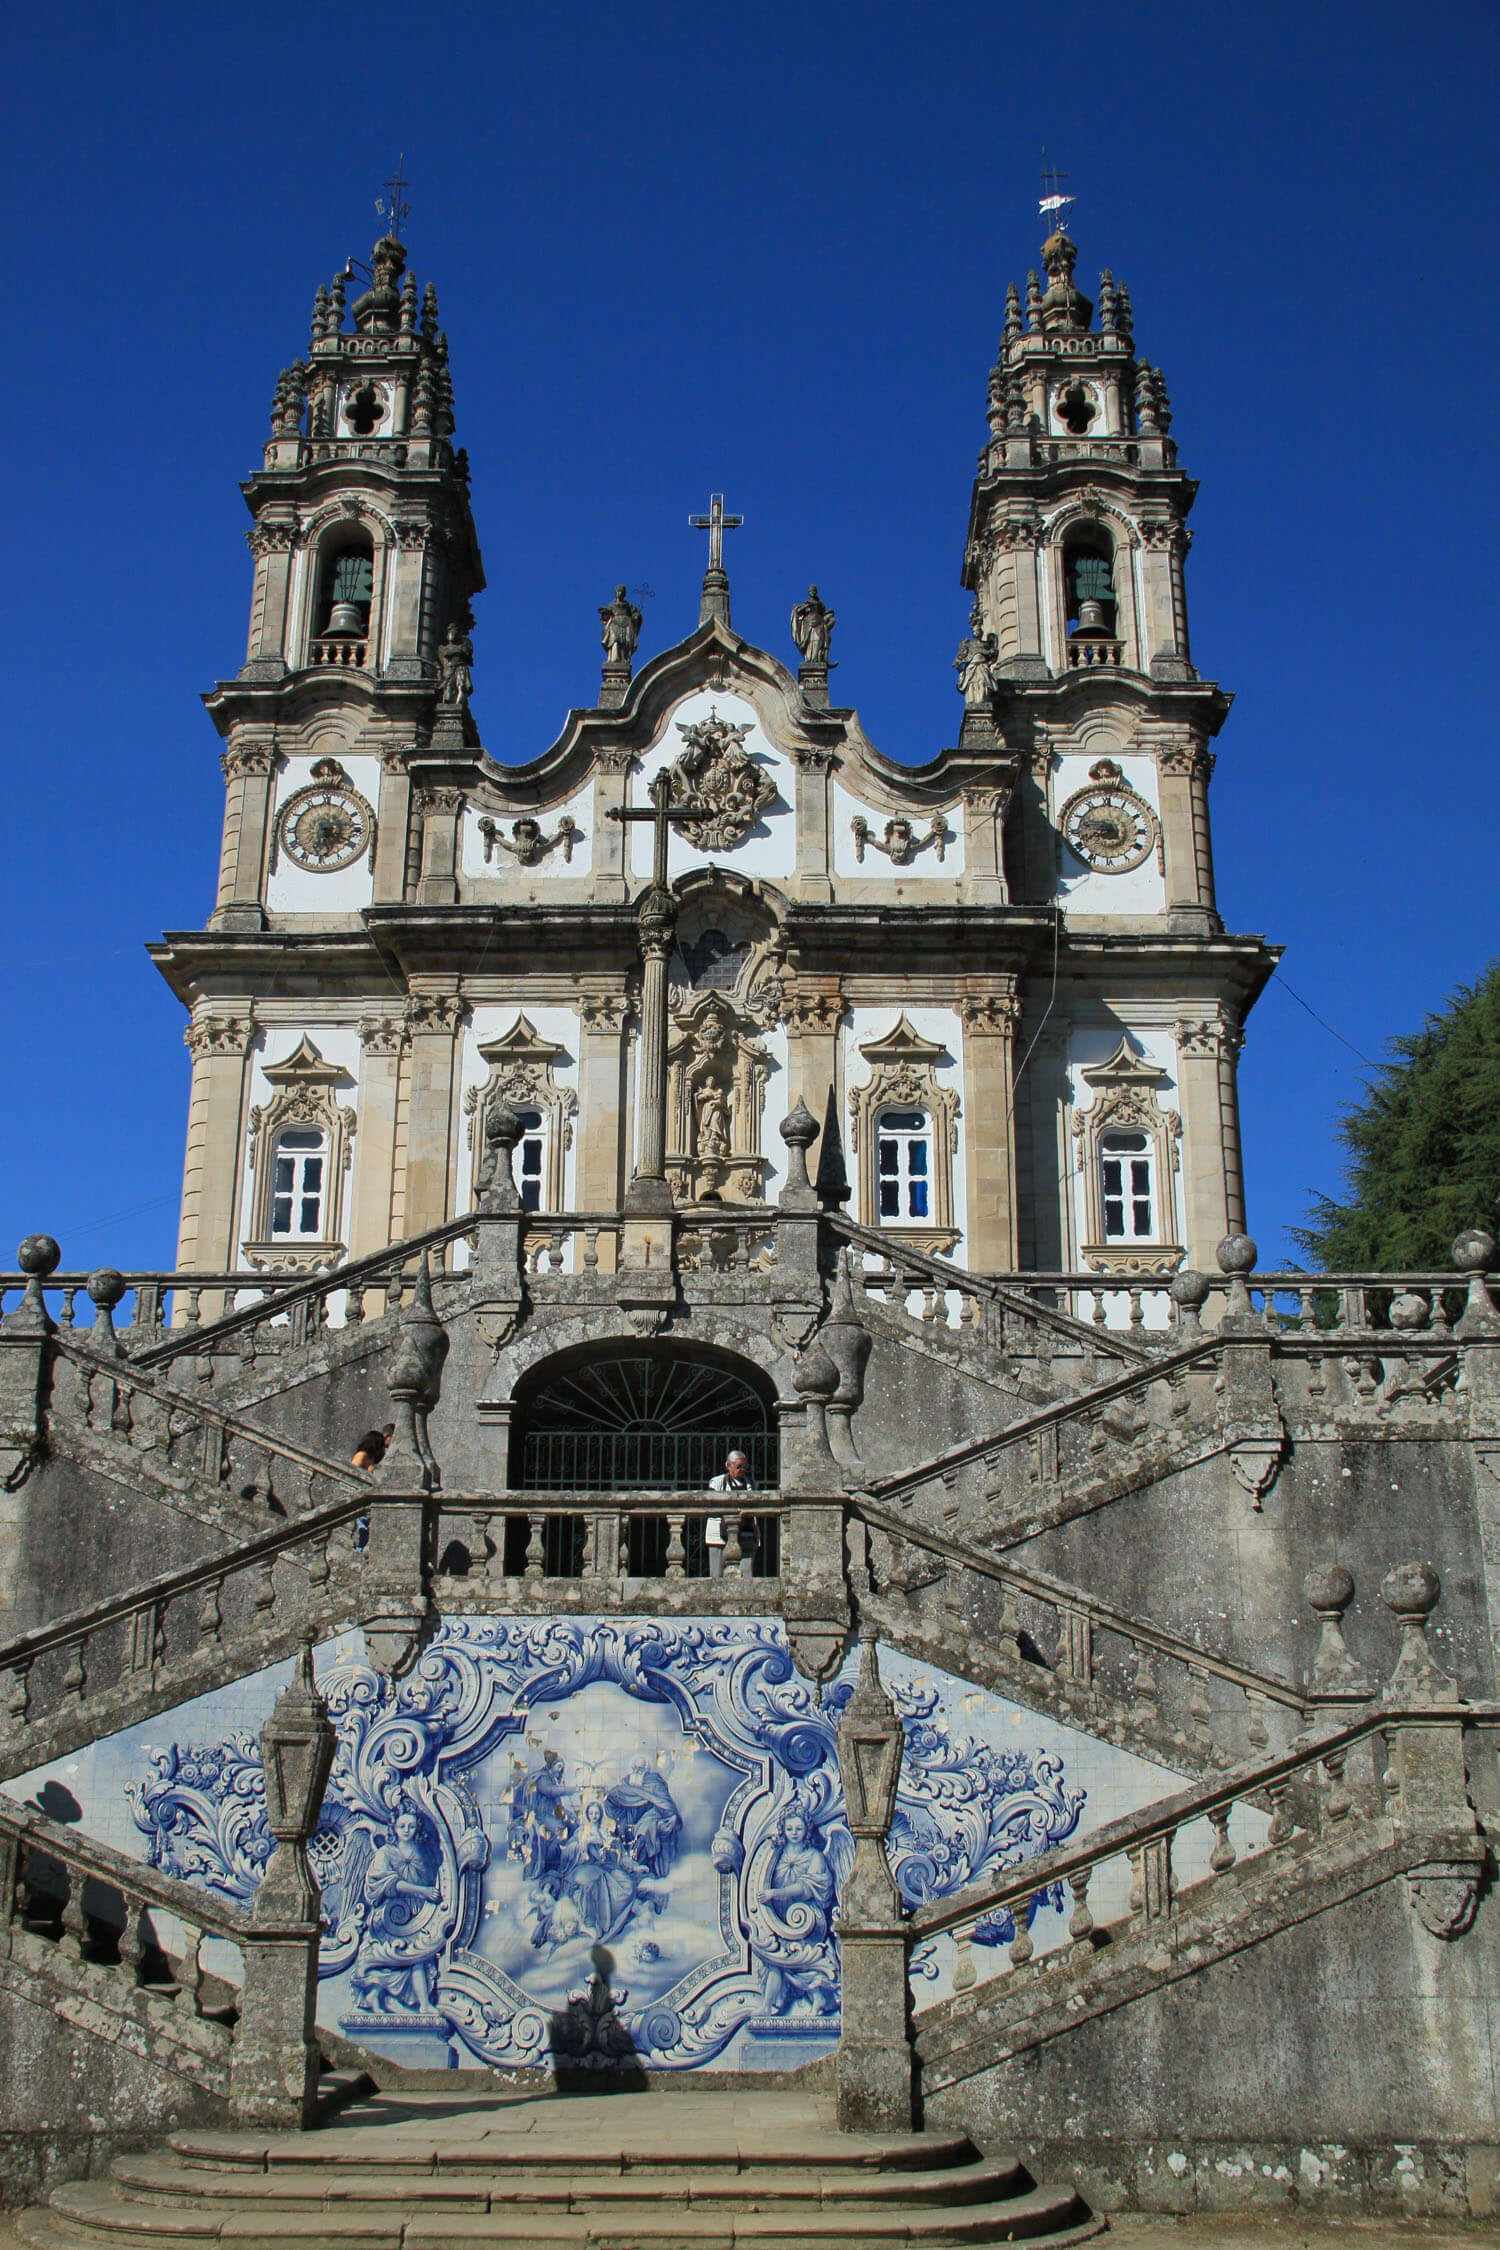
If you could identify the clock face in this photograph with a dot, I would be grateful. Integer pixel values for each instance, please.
(325, 827)
(1110, 828)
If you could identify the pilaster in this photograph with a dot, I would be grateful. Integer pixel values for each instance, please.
(990, 1019)
(984, 845)
(434, 1016)
(1178, 764)
(610, 847)
(272, 546)
(814, 858)
(1044, 1159)
(1212, 1173)
(208, 1232)
(440, 809)
(393, 819)
(812, 1015)
(248, 769)
(370, 1200)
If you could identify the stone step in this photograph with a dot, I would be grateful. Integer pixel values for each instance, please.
(624, 2172)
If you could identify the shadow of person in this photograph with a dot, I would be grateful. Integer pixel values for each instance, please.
(592, 2049)
(55, 1802)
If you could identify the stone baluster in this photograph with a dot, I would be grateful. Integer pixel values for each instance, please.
(188, 1997)
(1223, 1855)
(1021, 1945)
(75, 1935)
(533, 1570)
(963, 1967)
(1081, 1920)
(732, 1554)
(676, 1550)
(1152, 1887)
(132, 1943)
(211, 1613)
(1144, 1707)
(18, 1695)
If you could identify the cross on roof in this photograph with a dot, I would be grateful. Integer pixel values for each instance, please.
(663, 813)
(393, 206)
(1055, 203)
(716, 523)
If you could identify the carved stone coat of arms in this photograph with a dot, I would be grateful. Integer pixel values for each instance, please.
(717, 785)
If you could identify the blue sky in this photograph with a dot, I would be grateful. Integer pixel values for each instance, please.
(762, 250)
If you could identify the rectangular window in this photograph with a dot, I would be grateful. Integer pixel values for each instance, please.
(530, 1160)
(297, 1185)
(903, 1153)
(1126, 1178)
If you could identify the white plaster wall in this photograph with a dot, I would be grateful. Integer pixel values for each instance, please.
(504, 867)
(866, 1024)
(492, 1020)
(295, 890)
(925, 869)
(1081, 888)
(337, 1043)
(771, 846)
(1090, 1045)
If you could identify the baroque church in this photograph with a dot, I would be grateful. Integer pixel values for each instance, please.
(715, 1508)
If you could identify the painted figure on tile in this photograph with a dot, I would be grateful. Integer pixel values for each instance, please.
(540, 1820)
(793, 1932)
(596, 1877)
(647, 1823)
(396, 1965)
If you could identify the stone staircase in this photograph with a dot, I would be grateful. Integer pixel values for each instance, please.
(617, 2172)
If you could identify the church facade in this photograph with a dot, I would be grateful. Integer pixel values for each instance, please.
(408, 929)
(716, 1496)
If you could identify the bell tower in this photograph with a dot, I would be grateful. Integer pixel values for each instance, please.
(365, 566)
(1078, 657)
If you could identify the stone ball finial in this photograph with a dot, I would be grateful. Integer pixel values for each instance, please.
(799, 1128)
(106, 1286)
(1329, 1590)
(1474, 1251)
(1408, 1310)
(38, 1256)
(503, 1126)
(1189, 1288)
(1411, 1589)
(1237, 1254)
(815, 1375)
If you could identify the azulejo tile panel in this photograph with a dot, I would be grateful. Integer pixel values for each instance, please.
(589, 1840)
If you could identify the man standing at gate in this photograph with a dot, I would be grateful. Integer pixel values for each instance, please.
(734, 1478)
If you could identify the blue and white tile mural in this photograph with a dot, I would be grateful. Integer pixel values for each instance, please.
(578, 1839)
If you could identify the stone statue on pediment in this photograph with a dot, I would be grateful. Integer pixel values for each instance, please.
(977, 664)
(812, 628)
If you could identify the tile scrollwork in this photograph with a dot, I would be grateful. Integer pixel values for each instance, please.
(538, 1789)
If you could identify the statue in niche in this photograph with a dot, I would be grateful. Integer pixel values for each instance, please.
(456, 655)
(812, 628)
(976, 664)
(716, 1076)
(621, 623)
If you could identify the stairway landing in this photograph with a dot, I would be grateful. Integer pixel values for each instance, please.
(627, 2171)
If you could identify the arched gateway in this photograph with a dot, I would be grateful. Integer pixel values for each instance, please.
(628, 1418)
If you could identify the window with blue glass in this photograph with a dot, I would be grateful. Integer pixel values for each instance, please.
(903, 1163)
(1127, 1179)
(298, 1167)
(530, 1157)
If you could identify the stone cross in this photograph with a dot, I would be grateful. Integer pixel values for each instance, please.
(656, 918)
(714, 601)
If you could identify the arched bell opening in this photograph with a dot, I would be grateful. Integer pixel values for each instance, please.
(640, 1418)
(1090, 601)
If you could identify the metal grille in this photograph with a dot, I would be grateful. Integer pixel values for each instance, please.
(641, 1424)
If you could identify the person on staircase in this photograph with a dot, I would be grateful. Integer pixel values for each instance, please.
(735, 1477)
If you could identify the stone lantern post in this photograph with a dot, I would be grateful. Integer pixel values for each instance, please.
(874, 2063)
(274, 2073)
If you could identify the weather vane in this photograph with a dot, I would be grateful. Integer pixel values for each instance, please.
(393, 206)
(1055, 203)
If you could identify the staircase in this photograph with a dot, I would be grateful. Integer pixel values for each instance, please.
(616, 2172)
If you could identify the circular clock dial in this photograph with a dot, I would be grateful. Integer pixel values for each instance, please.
(325, 828)
(1110, 828)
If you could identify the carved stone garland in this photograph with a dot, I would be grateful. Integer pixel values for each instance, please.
(900, 841)
(528, 842)
(903, 1075)
(1125, 1101)
(302, 1094)
(716, 1083)
(522, 1066)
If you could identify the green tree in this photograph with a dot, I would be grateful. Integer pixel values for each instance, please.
(1424, 1145)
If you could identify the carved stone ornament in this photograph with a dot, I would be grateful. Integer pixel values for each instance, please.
(521, 1074)
(1444, 1894)
(716, 1081)
(605, 1012)
(527, 841)
(327, 825)
(1125, 1100)
(302, 1094)
(997, 1014)
(217, 1035)
(900, 841)
(435, 1011)
(717, 785)
(382, 1035)
(1108, 825)
(245, 758)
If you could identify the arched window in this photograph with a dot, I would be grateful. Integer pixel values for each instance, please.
(623, 1419)
(714, 962)
(1089, 576)
(299, 1168)
(1127, 1187)
(903, 1163)
(347, 585)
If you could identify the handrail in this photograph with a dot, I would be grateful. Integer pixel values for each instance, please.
(1151, 1823)
(1102, 1614)
(1047, 1417)
(132, 1375)
(198, 1908)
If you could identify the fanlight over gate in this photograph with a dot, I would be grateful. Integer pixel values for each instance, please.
(637, 1421)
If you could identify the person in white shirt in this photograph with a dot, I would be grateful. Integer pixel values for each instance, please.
(735, 1478)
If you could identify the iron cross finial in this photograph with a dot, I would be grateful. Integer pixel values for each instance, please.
(393, 206)
(716, 523)
(1055, 203)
